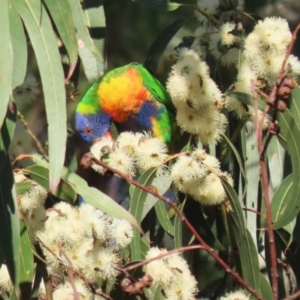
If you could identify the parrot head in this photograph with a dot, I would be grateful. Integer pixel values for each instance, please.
(92, 126)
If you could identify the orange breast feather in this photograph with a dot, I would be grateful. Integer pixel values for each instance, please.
(122, 95)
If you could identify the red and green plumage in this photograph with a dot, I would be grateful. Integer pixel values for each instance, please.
(130, 97)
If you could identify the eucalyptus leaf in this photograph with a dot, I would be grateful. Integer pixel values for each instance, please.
(40, 175)
(44, 42)
(178, 228)
(275, 154)
(247, 250)
(291, 206)
(23, 187)
(252, 170)
(136, 208)
(160, 5)
(90, 55)
(26, 262)
(6, 60)
(60, 13)
(295, 105)
(19, 47)
(265, 288)
(246, 99)
(163, 218)
(281, 197)
(161, 184)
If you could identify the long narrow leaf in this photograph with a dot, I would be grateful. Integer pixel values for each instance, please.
(19, 47)
(26, 263)
(9, 220)
(136, 208)
(44, 43)
(60, 13)
(6, 60)
(160, 5)
(247, 249)
(291, 206)
(90, 55)
(163, 218)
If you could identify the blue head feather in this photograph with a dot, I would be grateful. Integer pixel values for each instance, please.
(92, 126)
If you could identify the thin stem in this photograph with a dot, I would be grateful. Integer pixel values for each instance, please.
(37, 142)
(265, 184)
(147, 261)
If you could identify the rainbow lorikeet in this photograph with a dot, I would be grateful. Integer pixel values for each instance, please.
(130, 97)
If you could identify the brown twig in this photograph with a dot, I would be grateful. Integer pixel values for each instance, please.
(265, 184)
(183, 218)
(147, 261)
(287, 273)
(254, 211)
(294, 296)
(37, 142)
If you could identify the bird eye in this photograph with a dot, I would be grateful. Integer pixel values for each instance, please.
(88, 130)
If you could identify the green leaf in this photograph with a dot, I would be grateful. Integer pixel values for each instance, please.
(26, 263)
(253, 178)
(90, 55)
(93, 68)
(163, 217)
(236, 154)
(247, 250)
(295, 105)
(79, 23)
(160, 5)
(23, 187)
(280, 199)
(6, 133)
(40, 175)
(9, 219)
(160, 44)
(6, 60)
(291, 207)
(136, 208)
(44, 42)
(265, 288)
(207, 233)
(275, 154)
(9, 222)
(246, 99)
(19, 47)
(161, 184)
(94, 16)
(178, 228)
(60, 13)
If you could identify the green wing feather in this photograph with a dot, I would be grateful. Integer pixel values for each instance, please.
(155, 87)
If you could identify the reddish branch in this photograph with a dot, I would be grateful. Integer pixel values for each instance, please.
(89, 158)
(147, 261)
(272, 101)
(265, 184)
(294, 296)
